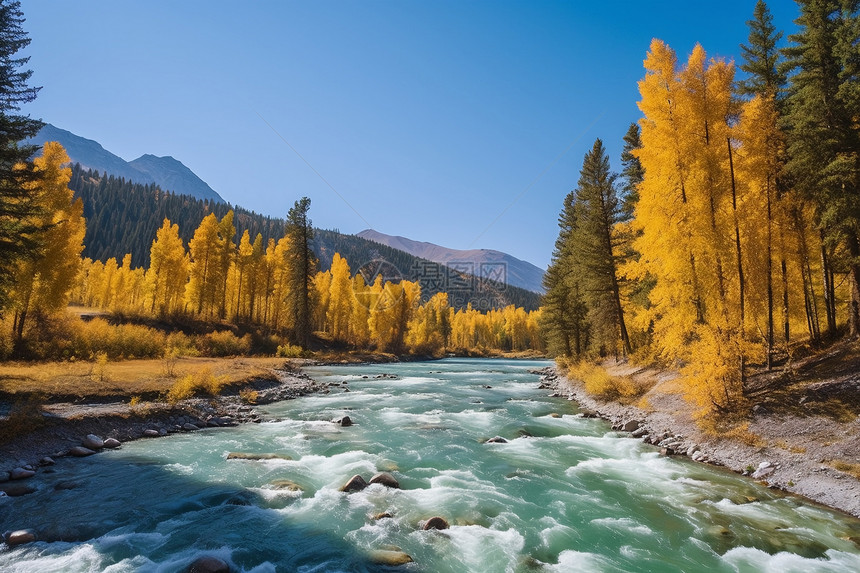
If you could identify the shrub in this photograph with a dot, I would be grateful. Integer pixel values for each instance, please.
(290, 351)
(598, 382)
(224, 343)
(201, 383)
(248, 395)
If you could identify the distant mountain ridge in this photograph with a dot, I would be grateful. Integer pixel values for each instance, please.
(480, 262)
(166, 172)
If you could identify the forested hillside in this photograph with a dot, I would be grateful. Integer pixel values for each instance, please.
(123, 217)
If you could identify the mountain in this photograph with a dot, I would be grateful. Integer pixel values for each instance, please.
(172, 175)
(486, 263)
(166, 172)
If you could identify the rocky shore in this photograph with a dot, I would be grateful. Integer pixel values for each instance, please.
(791, 453)
(84, 429)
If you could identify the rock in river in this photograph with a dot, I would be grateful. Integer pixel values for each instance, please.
(355, 483)
(19, 537)
(80, 452)
(390, 558)
(385, 479)
(112, 443)
(93, 442)
(345, 421)
(435, 523)
(254, 456)
(497, 440)
(21, 473)
(208, 564)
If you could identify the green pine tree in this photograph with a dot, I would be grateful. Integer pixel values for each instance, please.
(18, 239)
(761, 57)
(301, 268)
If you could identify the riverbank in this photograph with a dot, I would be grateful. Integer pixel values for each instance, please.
(33, 439)
(795, 452)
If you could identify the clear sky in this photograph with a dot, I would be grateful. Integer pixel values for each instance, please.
(457, 122)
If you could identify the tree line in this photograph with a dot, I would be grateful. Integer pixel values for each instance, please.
(733, 230)
(123, 218)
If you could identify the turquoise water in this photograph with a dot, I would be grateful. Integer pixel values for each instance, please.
(564, 494)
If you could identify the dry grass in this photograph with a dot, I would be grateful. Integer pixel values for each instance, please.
(847, 467)
(600, 383)
(128, 378)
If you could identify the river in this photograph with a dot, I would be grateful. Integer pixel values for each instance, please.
(565, 493)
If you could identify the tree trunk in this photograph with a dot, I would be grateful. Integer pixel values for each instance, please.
(829, 303)
(854, 274)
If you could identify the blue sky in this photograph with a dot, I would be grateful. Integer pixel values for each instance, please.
(461, 123)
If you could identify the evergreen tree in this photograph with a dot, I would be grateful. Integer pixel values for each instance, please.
(761, 58)
(822, 131)
(301, 270)
(595, 252)
(632, 173)
(19, 238)
(563, 318)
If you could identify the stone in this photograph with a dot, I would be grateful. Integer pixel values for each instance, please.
(80, 452)
(383, 515)
(112, 443)
(667, 452)
(47, 461)
(497, 440)
(20, 537)
(692, 450)
(389, 558)
(21, 473)
(208, 564)
(286, 484)
(631, 426)
(255, 456)
(386, 479)
(345, 421)
(639, 432)
(93, 442)
(150, 433)
(764, 465)
(189, 427)
(762, 472)
(355, 483)
(435, 523)
(17, 489)
(555, 415)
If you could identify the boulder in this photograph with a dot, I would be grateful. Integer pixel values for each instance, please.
(112, 443)
(93, 442)
(17, 489)
(151, 433)
(497, 440)
(385, 479)
(189, 427)
(389, 558)
(435, 523)
(355, 483)
(555, 415)
(255, 456)
(20, 537)
(639, 432)
(692, 450)
(21, 473)
(47, 461)
(80, 452)
(345, 421)
(631, 426)
(208, 564)
(383, 515)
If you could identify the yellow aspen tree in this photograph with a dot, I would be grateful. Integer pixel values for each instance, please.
(167, 275)
(242, 267)
(341, 299)
(43, 283)
(359, 326)
(278, 260)
(226, 254)
(205, 267)
(322, 298)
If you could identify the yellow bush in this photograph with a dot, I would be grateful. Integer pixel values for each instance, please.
(598, 382)
(224, 343)
(201, 383)
(289, 351)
